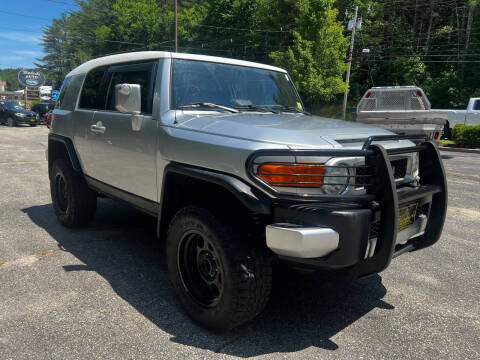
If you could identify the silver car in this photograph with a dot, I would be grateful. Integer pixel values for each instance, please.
(239, 175)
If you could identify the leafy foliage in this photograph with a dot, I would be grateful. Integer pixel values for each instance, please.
(10, 76)
(467, 135)
(316, 59)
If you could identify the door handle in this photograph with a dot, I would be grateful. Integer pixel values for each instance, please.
(98, 128)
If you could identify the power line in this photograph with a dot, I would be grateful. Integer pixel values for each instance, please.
(23, 15)
(444, 5)
(21, 30)
(423, 61)
(242, 29)
(62, 2)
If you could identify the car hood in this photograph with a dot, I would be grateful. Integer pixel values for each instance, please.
(293, 130)
(24, 111)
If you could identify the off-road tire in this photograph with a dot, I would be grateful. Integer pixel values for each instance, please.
(245, 261)
(78, 205)
(11, 122)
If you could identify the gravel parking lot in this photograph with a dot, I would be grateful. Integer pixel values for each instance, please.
(103, 291)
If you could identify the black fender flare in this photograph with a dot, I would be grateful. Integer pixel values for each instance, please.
(72, 154)
(252, 198)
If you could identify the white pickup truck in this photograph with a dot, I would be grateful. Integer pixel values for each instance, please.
(404, 110)
(470, 116)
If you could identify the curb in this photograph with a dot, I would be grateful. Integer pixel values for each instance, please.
(462, 150)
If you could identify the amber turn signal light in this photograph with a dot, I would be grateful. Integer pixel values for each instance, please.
(292, 175)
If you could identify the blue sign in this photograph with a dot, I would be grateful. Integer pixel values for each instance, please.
(55, 94)
(31, 78)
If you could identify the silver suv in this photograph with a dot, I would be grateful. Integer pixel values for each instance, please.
(238, 175)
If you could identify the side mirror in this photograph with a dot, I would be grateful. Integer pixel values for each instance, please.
(128, 98)
(128, 101)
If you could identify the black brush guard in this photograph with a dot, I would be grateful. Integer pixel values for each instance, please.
(382, 197)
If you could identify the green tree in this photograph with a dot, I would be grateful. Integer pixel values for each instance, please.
(10, 76)
(316, 60)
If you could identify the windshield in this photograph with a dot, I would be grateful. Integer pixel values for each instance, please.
(13, 106)
(230, 85)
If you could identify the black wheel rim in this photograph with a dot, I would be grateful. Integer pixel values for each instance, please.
(61, 192)
(201, 270)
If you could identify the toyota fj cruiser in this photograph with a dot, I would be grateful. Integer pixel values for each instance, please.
(238, 175)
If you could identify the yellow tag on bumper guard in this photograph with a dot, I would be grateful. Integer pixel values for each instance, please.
(406, 216)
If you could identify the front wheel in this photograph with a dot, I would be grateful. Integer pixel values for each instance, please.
(11, 122)
(222, 277)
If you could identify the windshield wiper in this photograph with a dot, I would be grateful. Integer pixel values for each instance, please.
(290, 109)
(208, 105)
(256, 108)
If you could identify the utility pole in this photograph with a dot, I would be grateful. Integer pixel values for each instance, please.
(176, 25)
(349, 62)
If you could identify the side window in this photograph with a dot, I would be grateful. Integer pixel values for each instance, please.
(476, 105)
(71, 93)
(92, 96)
(63, 90)
(141, 74)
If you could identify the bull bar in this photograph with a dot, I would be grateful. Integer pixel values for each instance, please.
(381, 201)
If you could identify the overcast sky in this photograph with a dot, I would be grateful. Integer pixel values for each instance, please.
(21, 23)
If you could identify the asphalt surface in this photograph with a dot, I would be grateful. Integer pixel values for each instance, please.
(103, 291)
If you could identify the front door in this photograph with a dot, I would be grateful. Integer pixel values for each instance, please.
(120, 156)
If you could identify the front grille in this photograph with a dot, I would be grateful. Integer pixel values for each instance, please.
(361, 177)
(399, 168)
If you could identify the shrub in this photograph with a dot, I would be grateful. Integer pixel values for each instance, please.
(467, 135)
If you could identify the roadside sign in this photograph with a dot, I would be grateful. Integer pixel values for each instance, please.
(32, 93)
(55, 94)
(31, 78)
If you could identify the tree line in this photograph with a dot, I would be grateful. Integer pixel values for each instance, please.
(434, 44)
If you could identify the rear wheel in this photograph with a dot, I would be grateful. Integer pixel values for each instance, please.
(222, 277)
(11, 122)
(74, 203)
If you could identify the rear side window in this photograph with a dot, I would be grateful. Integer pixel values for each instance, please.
(69, 92)
(63, 91)
(141, 74)
(92, 96)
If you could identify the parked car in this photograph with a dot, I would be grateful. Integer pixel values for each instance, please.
(43, 108)
(238, 175)
(405, 110)
(470, 116)
(12, 114)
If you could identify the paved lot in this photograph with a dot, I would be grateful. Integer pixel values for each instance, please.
(103, 291)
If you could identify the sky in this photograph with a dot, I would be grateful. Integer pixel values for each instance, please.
(21, 23)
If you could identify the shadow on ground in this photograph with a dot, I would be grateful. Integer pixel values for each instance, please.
(304, 311)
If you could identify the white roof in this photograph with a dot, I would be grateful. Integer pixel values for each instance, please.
(151, 55)
(395, 87)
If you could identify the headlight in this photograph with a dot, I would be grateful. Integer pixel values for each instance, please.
(20, 114)
(336, 179)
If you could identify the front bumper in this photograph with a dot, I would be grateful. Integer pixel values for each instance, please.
(363, 236)
(27, 120)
